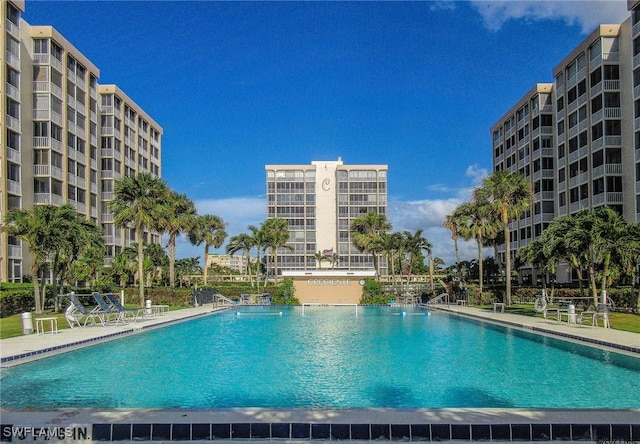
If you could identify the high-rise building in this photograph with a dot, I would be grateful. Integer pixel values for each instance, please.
(65, 138)
(319, 201)
(577, 139)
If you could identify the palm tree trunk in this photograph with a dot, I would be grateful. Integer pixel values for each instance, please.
(455, 247)
(603, 287)
(36, 287)
(480, 265)
(172, 260)
(507, 260)
(140, 268)
(206, 268)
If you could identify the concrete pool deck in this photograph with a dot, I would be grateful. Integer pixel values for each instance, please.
(318, 425)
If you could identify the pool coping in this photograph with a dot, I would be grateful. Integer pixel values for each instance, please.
(318, 425)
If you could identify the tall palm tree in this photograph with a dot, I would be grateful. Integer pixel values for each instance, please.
(210, 230)
(56, 235)
(139, 202)
(187, 267)
(178, 219)
(366, 235)
(392, 245)
(258, 239)
(414, 244)
(276, 234)
(245, 243)
(476, 223)
(507, 195)
(451, 223)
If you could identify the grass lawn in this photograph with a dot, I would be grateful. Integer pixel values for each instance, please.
(619, 321)
(11, 326)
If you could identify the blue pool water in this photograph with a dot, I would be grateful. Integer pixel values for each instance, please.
(328, 358)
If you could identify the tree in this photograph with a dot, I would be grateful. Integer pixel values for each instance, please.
(257, 238)
(275, 235)
(56, 235)
(178, 219)
(187, 267)
(414, 244)
(139, 202)
(507, 196)
(452, 224)
(320, 258)
(392, 244)
(210, 230)
(474, 222)
(245, 243)
(366, 235)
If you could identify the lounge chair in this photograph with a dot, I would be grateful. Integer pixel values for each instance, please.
(111, 314)
(77, 314)
(133, 314)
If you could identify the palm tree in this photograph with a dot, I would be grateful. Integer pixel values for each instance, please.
(257, 238)
(139, 202)
(275, 235)
(507, 195)
(392, 244)
(366, 235)
(334, 259)
(452, 224)
(178, 219)
(54, 233)
(414, 244)
(475, 222)
(207, 229)
(320, 258)
(245, 243)
(187, 267)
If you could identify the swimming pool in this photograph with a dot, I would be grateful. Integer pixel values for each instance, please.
(328, 358)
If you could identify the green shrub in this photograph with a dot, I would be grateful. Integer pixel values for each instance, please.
(285, 294)
(15, 298)
(372, 293)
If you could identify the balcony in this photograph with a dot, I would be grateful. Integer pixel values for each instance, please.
(580, 178)
(577, 154)
(607, 198)
(13, 123)
(544, 217)
(13, 92)
(13, 60)
(609, 169)
(636, 60)
(14, 187)
(612, 85)
(13, 29)
(13, 155)
(47, 199)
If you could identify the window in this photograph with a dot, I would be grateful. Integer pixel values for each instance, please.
(596, 77)
(611, 72)
(13, 140)
(13, 77)
(41, 46)
(596, 103)
(13, 108)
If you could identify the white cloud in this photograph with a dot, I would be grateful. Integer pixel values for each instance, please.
(237, 212)
(585, 14)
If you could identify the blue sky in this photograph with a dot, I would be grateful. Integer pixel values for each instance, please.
(238, 85)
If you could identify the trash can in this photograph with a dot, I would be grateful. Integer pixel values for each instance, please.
(571, 314)
(27, 323)
(148, 306)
